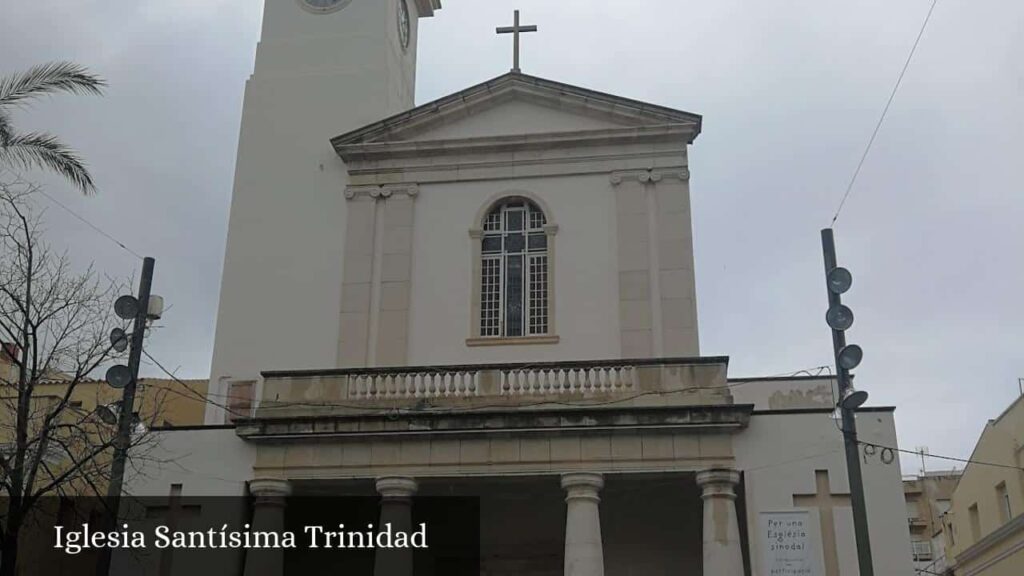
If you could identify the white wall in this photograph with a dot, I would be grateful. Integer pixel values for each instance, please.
(586, 273)
(785, 393)
(518, 118)
(205, 461)
(316, 76)
(779, 454)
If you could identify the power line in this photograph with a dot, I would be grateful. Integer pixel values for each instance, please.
(381, 409)
(951, 458)
(194, 393)
(388, 409)
(18, 179)
(881, 118)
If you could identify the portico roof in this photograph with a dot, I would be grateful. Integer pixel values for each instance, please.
(630, 114)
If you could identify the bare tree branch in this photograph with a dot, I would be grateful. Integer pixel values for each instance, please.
(55, 322)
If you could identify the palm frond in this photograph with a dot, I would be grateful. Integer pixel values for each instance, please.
(39, 150)
(48, 78)
(6, 128)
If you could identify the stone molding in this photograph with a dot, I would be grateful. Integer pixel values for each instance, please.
(270, 491)
(582, 485)
(634, 115)
(396, 487)
(718, 483)
(989, 541)
(315, 10)
(426, 7)
(511, 419)
(384, 191)
(270, 487)
(652, 175)
(512, 340)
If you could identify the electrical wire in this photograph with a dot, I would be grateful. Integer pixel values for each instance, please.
(391, 409)
(940, 457)
(881, 118)
(18, 179)
(192, 393)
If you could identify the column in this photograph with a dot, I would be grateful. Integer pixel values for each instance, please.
(395, 509)
(721, 534)
(267, 515)
(584, 555)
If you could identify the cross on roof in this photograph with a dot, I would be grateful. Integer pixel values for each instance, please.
(515, 29)
(825, 501)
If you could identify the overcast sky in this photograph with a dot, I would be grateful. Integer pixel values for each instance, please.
(789, 91)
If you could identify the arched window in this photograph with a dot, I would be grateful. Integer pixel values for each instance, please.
(514, 278)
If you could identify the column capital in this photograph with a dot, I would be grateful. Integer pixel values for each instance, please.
(396, 486)
(270, 487)
(582, 485)
(718, 482)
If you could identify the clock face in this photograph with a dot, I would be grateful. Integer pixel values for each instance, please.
(403, 24)
(324, 5)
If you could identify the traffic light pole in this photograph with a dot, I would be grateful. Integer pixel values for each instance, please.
(849, 424)
(126, 415)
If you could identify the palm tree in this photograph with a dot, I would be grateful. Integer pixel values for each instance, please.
(39, 149)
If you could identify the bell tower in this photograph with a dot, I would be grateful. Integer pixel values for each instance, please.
(357, 56)
(323, 68)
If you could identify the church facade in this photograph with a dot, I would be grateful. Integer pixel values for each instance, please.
(492, 295)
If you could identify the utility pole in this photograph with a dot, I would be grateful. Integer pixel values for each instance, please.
(839, 317)
(137, 309)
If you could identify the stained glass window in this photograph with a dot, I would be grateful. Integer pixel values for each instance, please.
(514, 271)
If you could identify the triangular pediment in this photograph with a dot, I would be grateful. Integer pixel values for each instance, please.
(516, 104)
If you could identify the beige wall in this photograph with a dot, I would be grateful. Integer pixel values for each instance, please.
(161, 402)
(928, 497)
(779, 454)
(991, 543)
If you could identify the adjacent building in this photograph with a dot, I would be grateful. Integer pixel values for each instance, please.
(928, 497)
(985, 523)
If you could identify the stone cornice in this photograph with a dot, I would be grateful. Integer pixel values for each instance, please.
(723, 418)
(405, 125)
(386, 191)
(998, 536)
(654, 175)
(425, 8)
(483, 145)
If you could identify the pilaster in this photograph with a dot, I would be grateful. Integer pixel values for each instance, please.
(376, 275)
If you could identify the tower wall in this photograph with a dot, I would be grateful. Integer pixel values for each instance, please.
(315, 76)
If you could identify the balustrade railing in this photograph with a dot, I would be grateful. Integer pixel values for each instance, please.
(567, 379)
(698, 379)
(433, 384)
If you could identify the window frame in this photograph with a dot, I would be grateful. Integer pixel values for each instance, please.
(481, 335)
(922, 550)
(1003, 503)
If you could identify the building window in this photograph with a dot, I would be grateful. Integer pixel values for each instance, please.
(972, 512)
(922, 550)
(912, 513)
(1003, 502)
(514, 278)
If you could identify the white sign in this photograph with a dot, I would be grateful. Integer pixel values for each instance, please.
(786, 544)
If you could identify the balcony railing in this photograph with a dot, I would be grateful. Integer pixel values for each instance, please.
(669, 381)
(443, 383)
